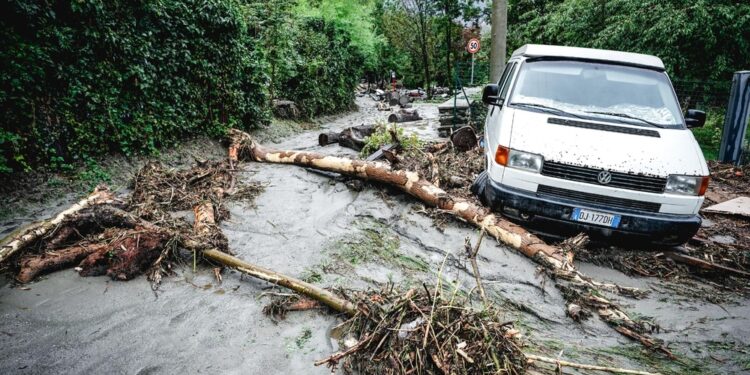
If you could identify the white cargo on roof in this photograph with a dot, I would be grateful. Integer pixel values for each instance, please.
(538, 50)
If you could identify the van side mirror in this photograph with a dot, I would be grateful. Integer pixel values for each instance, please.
(490, 94)
(695, 118)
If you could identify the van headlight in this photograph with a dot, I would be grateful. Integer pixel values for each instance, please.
(687, 185)
(524, 160)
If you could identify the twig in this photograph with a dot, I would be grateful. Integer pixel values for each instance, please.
(473, 258)
(532, 357)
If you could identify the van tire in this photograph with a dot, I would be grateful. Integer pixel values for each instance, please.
(479, 187)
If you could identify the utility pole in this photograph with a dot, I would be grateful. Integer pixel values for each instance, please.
(499, 34)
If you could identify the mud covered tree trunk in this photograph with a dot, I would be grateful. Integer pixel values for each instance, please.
(410, 182)
(34, 266)
(558, 261)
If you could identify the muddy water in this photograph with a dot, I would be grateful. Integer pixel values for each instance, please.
(307, 224)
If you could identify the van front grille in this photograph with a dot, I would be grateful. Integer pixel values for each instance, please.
(590, 175)
(597, 199)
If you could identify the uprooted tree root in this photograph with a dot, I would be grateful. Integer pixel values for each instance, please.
(418, 333)
(123, 241)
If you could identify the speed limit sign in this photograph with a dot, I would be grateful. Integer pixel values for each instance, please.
(473, 46)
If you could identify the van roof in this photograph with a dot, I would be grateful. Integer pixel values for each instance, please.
(539, 50)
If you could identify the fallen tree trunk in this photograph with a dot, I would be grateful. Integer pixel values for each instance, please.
(410, 182)
(11, 244)
(352, 137)
(559, 262)
(404, 115)
(201, 226)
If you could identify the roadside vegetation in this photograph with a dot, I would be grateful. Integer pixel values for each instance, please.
(85, 79)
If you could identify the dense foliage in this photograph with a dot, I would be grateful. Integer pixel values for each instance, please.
(84, 78)
(324, 70)
(696, 39)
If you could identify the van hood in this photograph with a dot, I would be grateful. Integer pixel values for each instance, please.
(675, 151)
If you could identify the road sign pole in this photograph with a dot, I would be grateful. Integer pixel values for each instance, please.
(472, 47)
(472, 69)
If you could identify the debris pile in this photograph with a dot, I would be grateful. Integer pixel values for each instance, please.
(126, 239)
(425, 332)
(717, 255)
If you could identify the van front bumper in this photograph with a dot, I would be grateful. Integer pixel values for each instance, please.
(552, 216)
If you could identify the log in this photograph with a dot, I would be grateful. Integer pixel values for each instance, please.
(411, 183)
(531, 358)
(705, 265)
(553, 258)
(14, 242)
(33, 266)
(202, 224)
(351, 137)
(404, 115)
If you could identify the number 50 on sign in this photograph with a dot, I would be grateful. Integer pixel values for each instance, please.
(473, 46)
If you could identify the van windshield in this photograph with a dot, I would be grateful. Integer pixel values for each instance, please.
(594, 90)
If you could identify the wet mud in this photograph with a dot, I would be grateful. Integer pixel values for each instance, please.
(319, 229)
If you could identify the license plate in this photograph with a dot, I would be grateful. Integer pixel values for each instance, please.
(598, 218)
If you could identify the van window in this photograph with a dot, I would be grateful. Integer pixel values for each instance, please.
(596, 90)
(508, 78)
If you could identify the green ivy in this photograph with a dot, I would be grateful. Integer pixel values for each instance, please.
(88, 77)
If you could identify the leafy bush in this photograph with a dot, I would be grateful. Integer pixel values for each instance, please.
(325, 70)
(382, 136)
(83, 78)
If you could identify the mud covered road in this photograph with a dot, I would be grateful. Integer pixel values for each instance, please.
(319, 229)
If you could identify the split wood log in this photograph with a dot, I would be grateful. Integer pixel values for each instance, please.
(19, 240)
(202, 225)
(404, 115)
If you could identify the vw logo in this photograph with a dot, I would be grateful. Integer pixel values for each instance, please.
(604, 177)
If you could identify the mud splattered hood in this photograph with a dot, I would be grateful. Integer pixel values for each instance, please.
(674, 151)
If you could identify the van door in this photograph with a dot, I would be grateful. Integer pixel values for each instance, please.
(493, 123)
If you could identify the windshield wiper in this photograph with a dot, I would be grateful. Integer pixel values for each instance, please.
(536, 105)
(625, 115)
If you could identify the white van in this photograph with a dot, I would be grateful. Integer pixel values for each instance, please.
(590, 140)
